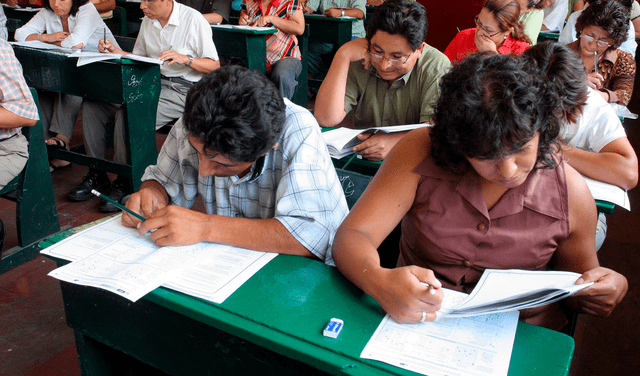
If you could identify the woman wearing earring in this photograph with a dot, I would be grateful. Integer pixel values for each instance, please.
(497, 30)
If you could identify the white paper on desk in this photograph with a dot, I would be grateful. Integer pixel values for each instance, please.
(623, 111)
(608, 192)
(477, 345)
(243, 27)
(88, 57)
(29, 9)
(117, 259)
(42, 46)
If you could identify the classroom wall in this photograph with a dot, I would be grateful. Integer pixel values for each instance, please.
(445, 16)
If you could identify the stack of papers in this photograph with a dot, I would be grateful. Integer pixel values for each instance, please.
(117, 259)
(608, 192)
(85, 57)
(340, 141)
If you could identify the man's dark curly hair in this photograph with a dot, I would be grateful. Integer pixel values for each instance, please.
(488, 109)
(562, 77)
(400, 17)
(75, 5)
(609, 15)
(236, 112)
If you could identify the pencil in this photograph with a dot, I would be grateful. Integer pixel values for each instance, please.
(118, 205)
(105, 35)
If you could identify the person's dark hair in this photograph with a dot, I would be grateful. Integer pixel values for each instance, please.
(507, 14)
(236, 112)
(562, 77)
(625, 3)
(75, 5)
(544, 4)
(609, 15)
(489, 108)
(400, 17)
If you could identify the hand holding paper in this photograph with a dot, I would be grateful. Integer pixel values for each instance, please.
(604, 295)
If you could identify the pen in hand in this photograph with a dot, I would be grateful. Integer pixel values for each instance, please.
(118, 205)
(105, 39)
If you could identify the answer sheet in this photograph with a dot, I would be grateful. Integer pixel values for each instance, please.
(475, 346)
(115, 258)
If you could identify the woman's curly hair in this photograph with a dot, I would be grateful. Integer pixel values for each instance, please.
(609, 15)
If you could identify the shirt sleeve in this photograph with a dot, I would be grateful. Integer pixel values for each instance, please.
(310, 200)
(313, 4)
(14, 93)
(176, 170)
(87, 21)
(4, 34)
(37, 24)
(352, 92)
(437, 67)
(620, 86)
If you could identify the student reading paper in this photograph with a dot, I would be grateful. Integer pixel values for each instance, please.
(257, 161)
(481, 189)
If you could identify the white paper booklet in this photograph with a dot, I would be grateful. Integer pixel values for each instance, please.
(115, 258)
(340, 141)
(88, 57)
(509, 290)
(243, 27)
(608, 192)
(42, 46)
(478, 345)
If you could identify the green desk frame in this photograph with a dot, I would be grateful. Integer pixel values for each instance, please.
(272, 325)
(133, 16)
(21, 15)
(323, 29)
(543, 36)
(249, 45)
(133, 84)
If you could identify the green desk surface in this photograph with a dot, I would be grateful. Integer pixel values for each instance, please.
(323, 29)
(136, 85)
(547, 36)
(282, 308)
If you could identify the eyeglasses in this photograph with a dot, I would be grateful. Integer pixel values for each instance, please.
(487, 32)
(590, 39)
(378, 58)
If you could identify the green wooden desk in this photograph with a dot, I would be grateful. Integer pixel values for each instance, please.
(135, 85)
(248, 44)
(324, 29)
(22, 15)
(133, 15)
(272, 325)
(547, 36)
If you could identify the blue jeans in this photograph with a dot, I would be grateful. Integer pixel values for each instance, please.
(284, 73)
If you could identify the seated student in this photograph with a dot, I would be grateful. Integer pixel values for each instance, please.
(568, 34)
(635, 17)
(321, 52)
(554, 15)
(258, 162)
(531, 19)
(389, 78)
(482, 189)
(592, 138)
(4, 33)
(283, 54)
(17, 110)
(69, 24)
(214, 11)
(170, 32)
(497, 30)
(601, 29)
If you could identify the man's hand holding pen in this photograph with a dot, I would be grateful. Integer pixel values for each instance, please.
(105, 46)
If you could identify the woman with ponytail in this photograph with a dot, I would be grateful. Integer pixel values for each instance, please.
(497, 30)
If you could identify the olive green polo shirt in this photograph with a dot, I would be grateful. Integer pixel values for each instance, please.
(411, 99)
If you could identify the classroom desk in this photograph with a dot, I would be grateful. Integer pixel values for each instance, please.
(248, 44)
(134, 15)
(22, 15)
(272, 325)
(134, 84)
(547, 36)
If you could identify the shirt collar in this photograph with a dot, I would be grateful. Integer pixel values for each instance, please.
(174, 18)
(257, 168)
(272, 4)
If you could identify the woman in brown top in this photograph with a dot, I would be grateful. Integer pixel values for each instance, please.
(600, 29)
(482, 189)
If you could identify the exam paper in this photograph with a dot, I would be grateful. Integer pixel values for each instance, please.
(115, 258)
(476, 346)
(608, 192)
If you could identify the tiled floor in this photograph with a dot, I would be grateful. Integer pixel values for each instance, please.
(35, 341)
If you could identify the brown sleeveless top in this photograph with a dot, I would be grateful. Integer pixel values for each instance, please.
(450, 231)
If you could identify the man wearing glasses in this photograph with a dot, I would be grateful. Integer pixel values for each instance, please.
(181, 37)
(389, 78)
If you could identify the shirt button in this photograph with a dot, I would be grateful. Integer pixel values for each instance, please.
(467, 263)
(481, 226)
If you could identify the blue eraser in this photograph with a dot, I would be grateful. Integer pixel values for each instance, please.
(333, 328)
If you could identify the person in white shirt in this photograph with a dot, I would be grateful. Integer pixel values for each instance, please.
(568, 34)
(592, 138)
(555, 15)
(68, 24)
(171, 32)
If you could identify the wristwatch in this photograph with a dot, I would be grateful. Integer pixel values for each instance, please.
(342, 14)
(190, 60)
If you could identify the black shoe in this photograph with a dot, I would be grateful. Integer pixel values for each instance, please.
(1, 236)
(119, 189)
(93, 180)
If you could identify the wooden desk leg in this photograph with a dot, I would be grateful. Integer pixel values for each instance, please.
(256, 53)
(91, 354)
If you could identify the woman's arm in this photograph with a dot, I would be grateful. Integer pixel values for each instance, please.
(292, 25)
(578, 253)
(386, 200)
(87, 21)
(37, 25)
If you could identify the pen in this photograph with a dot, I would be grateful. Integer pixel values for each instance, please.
(105, 35)
(595, 61)
(432, 289)
(118, 205)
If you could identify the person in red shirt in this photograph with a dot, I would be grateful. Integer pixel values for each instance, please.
(497, 30)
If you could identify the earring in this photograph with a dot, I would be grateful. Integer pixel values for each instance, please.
(505, 37)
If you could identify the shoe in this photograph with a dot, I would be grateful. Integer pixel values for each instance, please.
(1, 236)
(119, 189)
(93, 180)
